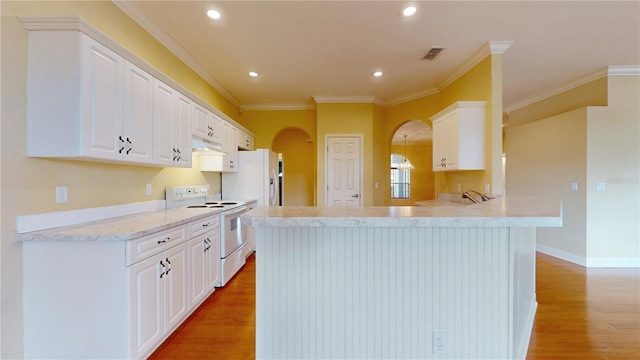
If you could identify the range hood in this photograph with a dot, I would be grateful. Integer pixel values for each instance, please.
(206, 147)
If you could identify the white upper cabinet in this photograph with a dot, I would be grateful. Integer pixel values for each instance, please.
(88, 102)
(75, 92)
(230, 147)
(207, 127)
(137, 139)
(171, 124)
(459, 137)
(244, 140)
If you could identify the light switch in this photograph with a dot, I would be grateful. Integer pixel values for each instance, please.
(574, 186)
(148, 189)
(601, 186)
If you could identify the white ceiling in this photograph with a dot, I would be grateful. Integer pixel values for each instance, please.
(304, 49)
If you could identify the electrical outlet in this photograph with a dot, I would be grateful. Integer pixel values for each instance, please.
(459, 187)
(148, 189)
(439, 343)
(601, 186)
(487, 188)
(62, 194)
(574, 186)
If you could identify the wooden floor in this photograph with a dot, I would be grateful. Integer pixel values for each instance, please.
(582, 314)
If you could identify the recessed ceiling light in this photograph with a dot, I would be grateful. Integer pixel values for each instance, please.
(214, 14)
(253, 74)
(409, 11)
(377, 73)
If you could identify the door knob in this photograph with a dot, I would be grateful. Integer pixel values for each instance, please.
(355, 195)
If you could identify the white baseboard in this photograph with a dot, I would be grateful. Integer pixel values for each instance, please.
(590, 262)
(523, 343)
(37, 222)
(614, 263)
(561, 254)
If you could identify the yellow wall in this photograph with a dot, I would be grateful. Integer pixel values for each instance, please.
(543, 158)
(352, 119)
(28, 184)
(593, 93)
(588, 145)
(613, 158)
(475, 85)
(266, 124)
(422, 177)
(299, 166)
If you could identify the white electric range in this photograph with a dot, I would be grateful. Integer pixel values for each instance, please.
(232, 243)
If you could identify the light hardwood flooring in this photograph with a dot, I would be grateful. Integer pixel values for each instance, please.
(582, 314)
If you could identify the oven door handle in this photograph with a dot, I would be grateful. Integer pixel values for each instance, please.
(235, 211)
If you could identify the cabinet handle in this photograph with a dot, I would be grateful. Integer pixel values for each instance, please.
(205, 225)
(163, 273)
(164, 241)
(169, 265)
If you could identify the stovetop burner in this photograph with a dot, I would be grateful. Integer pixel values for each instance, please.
(195, 197)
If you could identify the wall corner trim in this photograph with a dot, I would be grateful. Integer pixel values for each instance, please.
(623, 70)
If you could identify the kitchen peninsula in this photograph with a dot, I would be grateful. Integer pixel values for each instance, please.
(398, 282)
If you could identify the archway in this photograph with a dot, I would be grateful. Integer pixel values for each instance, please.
(417, 184)
(298, 172)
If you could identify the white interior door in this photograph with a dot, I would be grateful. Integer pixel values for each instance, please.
(344, 170)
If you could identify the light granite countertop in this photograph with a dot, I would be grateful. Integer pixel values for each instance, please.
(440, 203)
(121, 228)
(508, 211)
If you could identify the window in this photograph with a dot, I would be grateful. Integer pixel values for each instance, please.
(400, 179)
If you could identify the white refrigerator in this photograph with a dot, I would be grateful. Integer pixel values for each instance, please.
(257, 178)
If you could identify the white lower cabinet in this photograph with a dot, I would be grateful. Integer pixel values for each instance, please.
(204, 266)
(204, 258)
(115, 299)
(158, 289)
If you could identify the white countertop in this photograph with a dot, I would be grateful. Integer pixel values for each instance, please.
(121, 228)
(508, 211)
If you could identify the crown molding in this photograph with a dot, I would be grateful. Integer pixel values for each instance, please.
(368, 99)
(623, 70)
(301, 106)
(167, 40)
(489, 48)
(499, 47)
(553, 92)
(408, 98)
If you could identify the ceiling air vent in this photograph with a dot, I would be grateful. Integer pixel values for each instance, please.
(432, 53)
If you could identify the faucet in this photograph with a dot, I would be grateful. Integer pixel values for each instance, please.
(466, 195)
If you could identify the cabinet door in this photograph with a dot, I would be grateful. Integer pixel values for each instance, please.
(182, 131)
(136, 140)
(202, 122)
(439, 140)
(230, 162)
(451, 140)
(101, 100)
(164, 114)
(176, 283)
(197, 277)
(146, 289)
(218, 130)
(212, 262)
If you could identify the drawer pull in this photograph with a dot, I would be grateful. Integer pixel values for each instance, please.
(205, 225)
(164, 241)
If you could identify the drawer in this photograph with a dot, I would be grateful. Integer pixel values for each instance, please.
(201, 226)
(144, 247)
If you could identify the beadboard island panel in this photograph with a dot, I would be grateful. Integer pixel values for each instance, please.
(344, 287)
